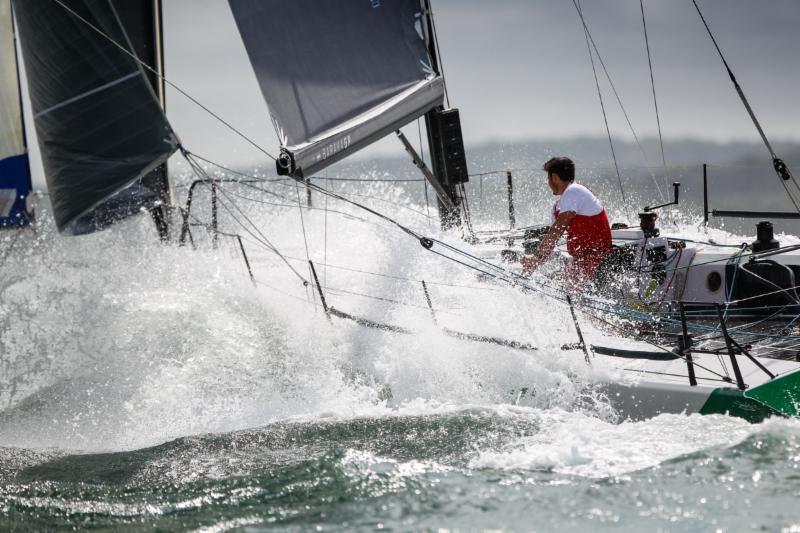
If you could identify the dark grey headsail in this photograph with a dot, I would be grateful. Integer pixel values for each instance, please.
(337, 75)
(98, 121)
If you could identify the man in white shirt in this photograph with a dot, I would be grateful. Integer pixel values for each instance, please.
(581, 215)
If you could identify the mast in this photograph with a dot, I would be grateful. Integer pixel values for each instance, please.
(161, 174)
(143, 24)
(445, 142)
(19, 80)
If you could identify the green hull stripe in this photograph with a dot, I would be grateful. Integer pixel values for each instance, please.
(729, 401)
(782, 394)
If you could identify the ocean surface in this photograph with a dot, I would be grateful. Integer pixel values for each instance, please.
(147, 386)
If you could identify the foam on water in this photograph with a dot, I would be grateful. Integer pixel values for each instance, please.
(114, 342)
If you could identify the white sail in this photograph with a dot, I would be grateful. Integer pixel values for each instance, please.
(12, 141)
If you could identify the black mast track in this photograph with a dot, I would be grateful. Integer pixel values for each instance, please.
(142, 22)
(450, 215)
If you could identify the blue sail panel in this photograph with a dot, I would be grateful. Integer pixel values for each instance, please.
(15, 189)
(15, 175)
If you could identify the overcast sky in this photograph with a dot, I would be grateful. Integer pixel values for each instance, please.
(519, 69)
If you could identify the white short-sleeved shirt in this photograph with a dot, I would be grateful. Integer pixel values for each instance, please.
(577, 198)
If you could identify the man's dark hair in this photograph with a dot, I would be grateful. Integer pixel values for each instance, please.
(563, 166)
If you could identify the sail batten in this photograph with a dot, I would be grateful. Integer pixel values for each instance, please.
(338, 75)
(100, 126)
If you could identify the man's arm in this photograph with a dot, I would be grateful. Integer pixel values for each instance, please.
(532, 262)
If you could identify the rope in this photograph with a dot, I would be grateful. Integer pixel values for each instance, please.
(602, 105)
(305, 238)
(259, 235)
(784, 174)
(589, 38)
(653, 86)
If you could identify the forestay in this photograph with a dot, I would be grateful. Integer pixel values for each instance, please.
(15, 176)
(98, 121)
(338, 75)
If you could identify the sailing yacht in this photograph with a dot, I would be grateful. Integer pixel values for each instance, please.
(360, 72)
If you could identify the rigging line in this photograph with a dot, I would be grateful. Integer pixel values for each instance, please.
(259, 240)
(322, 190)
(784, 174)
(736, 83)
(379, 199)
(264, 238)
(400, 278)
(246, 184)
(279, 291)
(293, 206)
(367, 196)
(735, 261)
(334, 290)
(425, 184)
(264, 191)
(589, 38)
(325, 242)
(372, 180)
(653, 86)
(305, 239)
(602, 105)
(164, 79)
(236, 172)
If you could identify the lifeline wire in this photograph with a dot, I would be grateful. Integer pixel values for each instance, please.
(520, 281)
(263, 237)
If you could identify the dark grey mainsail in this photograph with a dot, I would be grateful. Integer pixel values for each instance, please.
(337, 74)
(99, 124)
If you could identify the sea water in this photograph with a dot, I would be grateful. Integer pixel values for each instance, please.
(152, 386)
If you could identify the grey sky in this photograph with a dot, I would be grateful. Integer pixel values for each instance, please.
(519, 69)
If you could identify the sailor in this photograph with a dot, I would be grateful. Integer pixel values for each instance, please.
(581, 215)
